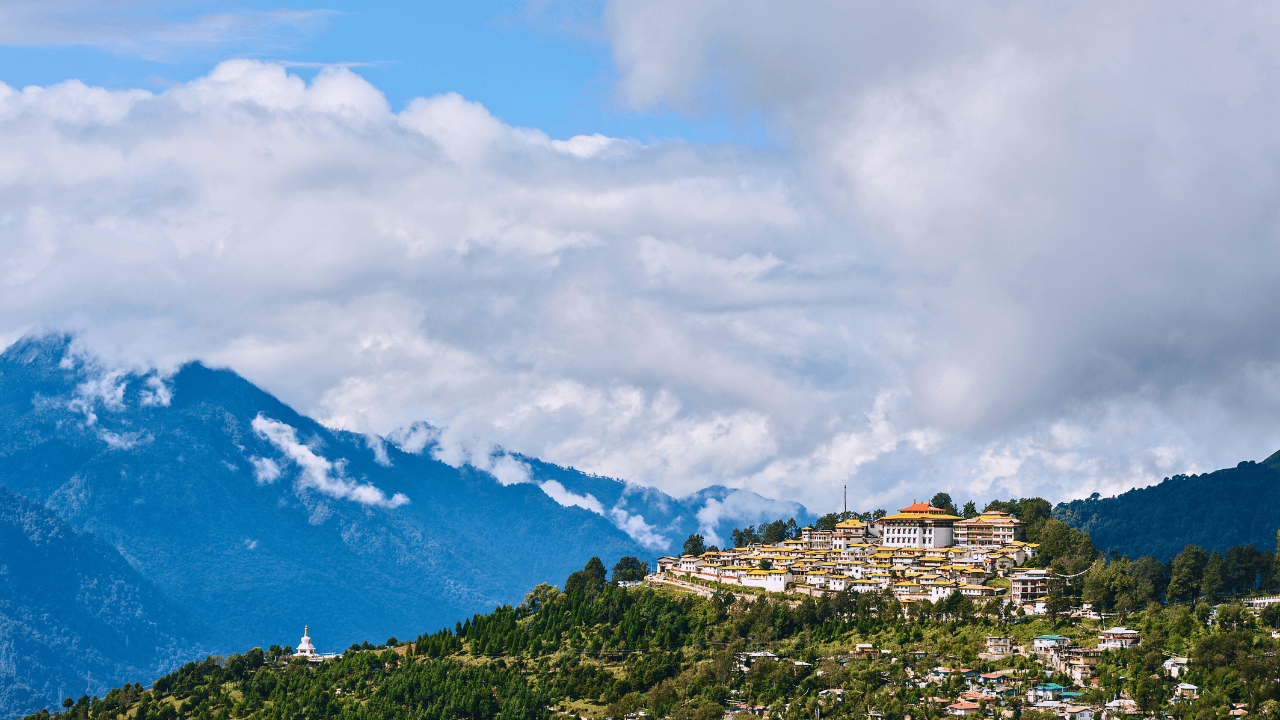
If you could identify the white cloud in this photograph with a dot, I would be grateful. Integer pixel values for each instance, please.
(123, 441)
(379, 448)
(265, 470)
(641, 531)
(998, 250)
(557, 492)
(508, 470)
(746, 507)
(316, 473)
(633, 525)
(156, 392)
(415, 438)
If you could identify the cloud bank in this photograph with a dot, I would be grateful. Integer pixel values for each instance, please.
(998, 251)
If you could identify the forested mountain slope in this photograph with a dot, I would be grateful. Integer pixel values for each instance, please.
(260, 520)
(1235, 506)
(75, 618)
(601, 651)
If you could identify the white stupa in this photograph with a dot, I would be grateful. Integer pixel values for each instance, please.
(305, 648)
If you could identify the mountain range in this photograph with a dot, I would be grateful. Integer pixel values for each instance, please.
(1216, 510)
(233, 520)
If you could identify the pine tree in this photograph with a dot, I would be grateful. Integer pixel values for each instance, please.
(1214, 581)
(1187, 572)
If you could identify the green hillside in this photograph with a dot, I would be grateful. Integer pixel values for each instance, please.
(605, 651)
(1235, 506)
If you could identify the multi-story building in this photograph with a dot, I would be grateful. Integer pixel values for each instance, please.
(1118, 638)
(848, 533)
(816, 539)
(999, 645)
(990, 529)
(918, 525)
(1029, 585)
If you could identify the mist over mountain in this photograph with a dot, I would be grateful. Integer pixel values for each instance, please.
(75, 617)
(1233, 506)
(256, 520)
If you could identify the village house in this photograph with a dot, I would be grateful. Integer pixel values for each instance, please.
(1120, 709)
(1043, 643)
(1045, 692)
(963, 708)
(1029, 586)
(1076, 712)
(1118, 638)
(1174, 667)
(999, 644)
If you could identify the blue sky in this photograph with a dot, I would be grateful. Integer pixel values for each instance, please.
(532, 66)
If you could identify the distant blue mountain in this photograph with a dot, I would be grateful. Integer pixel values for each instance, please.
(256, 520)
(75, 618)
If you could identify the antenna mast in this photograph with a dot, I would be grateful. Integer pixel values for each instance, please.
(846, 499)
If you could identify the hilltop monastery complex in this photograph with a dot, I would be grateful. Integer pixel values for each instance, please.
(919, 553)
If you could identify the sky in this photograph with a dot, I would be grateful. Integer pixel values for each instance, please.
(988, 249)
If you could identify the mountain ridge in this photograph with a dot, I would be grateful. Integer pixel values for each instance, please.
(1215, 510)
(257, 519)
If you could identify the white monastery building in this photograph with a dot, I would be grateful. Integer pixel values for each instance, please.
(918, 525)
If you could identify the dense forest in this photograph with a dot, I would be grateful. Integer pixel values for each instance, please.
(1235, 506)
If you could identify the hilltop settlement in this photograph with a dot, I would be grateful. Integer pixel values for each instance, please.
(919, 553)
(918, 615)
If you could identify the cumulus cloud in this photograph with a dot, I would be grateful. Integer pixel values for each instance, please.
(317, 473)
(996, 250)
